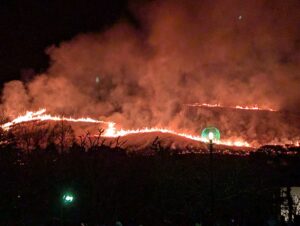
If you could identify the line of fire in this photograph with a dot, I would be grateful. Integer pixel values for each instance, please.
(254, 176)
(150, 113)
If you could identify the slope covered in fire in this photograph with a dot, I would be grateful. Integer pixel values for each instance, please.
(153, 72)
(44, 127)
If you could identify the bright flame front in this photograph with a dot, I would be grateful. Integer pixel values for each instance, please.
(250, 108)
(112, 131)
(41, 115)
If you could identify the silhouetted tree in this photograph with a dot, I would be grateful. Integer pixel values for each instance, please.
(62, 135)
(31, 135)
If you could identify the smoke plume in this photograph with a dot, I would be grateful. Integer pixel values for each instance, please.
(230, 52)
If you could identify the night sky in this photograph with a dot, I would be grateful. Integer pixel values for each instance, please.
(29, 27)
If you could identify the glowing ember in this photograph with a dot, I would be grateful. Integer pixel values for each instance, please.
(251, 108)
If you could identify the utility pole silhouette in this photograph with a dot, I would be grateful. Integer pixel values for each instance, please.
(212, 197)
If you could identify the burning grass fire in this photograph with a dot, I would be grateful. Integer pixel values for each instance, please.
(154, 113)
(145, 83)
(250, 108)
(42, 116)
(111, 131)
(142, 83)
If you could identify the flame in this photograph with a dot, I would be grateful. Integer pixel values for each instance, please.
(251, 108)
(111, 131)
(205, 105)
(41, 116)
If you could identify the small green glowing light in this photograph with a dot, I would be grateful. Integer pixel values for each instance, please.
(68, 198)
(211, 134)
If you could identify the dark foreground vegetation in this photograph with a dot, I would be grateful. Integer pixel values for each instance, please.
(165, 188)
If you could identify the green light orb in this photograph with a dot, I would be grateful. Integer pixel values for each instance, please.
(68, 198)
(211, 134)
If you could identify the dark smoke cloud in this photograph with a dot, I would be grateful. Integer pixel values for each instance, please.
(230, 52)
